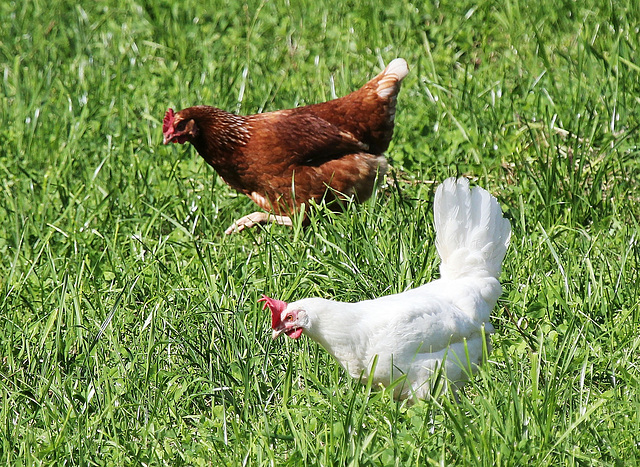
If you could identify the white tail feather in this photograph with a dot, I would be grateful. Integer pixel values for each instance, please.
(472, 236)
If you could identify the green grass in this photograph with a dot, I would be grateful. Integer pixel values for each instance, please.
(130, 331)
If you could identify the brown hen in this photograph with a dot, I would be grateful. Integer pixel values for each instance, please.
(282, 159)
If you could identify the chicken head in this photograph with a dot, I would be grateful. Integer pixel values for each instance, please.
(283, 321)
(176, 130)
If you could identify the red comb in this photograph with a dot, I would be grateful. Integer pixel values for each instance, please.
(276, 307)
(167, 122)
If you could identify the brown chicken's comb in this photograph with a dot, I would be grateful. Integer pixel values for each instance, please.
(167, 122)
(276, 307)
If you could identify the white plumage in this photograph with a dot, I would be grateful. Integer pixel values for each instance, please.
(414, 333)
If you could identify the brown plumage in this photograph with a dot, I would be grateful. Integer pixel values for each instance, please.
(282, 159)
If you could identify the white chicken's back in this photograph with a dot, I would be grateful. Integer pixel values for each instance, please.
(440, 324)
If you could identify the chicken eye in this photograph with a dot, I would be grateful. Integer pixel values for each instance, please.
(181, 125)
(288, 318)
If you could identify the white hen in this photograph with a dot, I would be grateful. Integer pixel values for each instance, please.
(441, 324)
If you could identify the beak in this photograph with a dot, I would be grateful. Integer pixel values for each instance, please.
(167, 138)
(276, 333)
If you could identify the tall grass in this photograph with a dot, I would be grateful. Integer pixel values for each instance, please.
(129, 327)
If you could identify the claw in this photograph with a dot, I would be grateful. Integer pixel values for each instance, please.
(255, 218)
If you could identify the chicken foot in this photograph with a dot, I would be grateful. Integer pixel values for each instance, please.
(255, 218)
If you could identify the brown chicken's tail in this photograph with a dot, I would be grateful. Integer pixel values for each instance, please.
(389, 85)
(391, 77)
